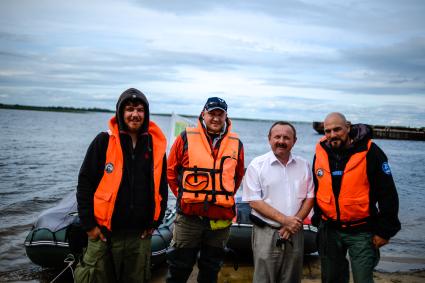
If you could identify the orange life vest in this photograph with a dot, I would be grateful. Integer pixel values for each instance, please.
(353, 200)
(210, 178)
(107, 190)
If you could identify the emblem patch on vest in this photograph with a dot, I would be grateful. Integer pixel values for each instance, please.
(234, 154)
(386, 168)
(319, 172)
(109, 167)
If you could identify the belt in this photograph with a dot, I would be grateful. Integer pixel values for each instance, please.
(272, 226)
(260, 222)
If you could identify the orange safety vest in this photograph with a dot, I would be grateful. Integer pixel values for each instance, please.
(107, 190)
(210, 178)
(353, 201)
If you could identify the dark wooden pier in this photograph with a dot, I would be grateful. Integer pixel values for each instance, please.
(387, 132)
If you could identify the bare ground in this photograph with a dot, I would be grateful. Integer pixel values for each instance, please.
(311, 274)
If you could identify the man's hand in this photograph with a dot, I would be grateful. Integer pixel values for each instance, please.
(147, 233)
(96, 233)
(284, 233)
(379, 242)
(292, 223)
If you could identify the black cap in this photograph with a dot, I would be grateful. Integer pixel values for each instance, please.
(215, 103)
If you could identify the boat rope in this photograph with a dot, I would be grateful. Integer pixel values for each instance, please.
(70, 259)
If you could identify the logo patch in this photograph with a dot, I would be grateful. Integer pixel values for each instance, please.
(234, 155)
(319, 172)
(109, 167)
(386, 168)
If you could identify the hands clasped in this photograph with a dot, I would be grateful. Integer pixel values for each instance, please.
(290, 226)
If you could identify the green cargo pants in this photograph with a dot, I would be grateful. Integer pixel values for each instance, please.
(333, 246)
(124, 258)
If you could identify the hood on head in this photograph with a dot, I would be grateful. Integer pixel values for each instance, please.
(132, 93)
(360, 132)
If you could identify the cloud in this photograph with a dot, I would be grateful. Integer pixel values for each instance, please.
(404, 58)
(268, 59)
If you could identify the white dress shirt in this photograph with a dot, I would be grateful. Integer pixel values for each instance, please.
(282, 187)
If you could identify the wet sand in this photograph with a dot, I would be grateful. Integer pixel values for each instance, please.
(389, 270)
(404, 271)
(409, 270)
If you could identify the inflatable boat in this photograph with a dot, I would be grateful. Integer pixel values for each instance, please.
(241, 229)
(48, 242)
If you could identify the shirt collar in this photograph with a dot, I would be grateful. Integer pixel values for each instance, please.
(274, 159)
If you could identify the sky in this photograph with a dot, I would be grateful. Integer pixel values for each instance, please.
(281, 60)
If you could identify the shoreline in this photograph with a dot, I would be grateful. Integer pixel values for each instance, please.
(79, 110)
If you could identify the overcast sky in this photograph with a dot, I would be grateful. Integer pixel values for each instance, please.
(292, 60)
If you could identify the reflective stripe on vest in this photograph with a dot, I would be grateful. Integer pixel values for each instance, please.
(353, 199)
(207, 179)
(107, 190)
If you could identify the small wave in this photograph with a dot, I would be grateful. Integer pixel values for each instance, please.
(22, 207)
(16, 229)
(399, 259)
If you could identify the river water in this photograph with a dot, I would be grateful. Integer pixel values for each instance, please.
(41, 153)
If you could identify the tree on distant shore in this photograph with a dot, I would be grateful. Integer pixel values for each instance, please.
(53, 108)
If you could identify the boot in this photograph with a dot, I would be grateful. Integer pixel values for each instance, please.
(209, 264)
(180, 264)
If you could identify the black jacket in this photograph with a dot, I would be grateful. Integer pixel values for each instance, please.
(135, 203)
(383, 195)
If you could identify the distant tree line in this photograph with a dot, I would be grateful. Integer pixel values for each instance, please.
(53, 108)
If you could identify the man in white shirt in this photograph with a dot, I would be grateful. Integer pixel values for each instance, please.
(279, 187)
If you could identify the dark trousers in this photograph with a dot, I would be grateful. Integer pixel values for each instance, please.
(333, 247)
(193, 235)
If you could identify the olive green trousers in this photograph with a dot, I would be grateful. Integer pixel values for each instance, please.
(124, 258)
(333, 247)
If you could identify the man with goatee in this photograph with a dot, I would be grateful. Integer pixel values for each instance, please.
(356, 206)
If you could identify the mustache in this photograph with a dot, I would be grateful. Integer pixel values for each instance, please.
(282, 145)
(135, 119)
(335, 139)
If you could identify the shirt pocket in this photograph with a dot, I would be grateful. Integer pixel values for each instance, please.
(300, 189)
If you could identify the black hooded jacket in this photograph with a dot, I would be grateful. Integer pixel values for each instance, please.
(383, 195)
(135, 204)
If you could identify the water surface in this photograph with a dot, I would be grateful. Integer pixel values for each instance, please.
(41, 153)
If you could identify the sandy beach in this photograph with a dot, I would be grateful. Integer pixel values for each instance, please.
(405, 270)
(389, 270)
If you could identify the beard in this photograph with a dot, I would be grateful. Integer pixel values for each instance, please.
(337, 144)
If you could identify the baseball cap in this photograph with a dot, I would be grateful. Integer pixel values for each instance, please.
(215, 103)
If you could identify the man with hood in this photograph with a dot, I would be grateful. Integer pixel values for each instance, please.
(122, 194)
(205, 169)
(356, 206)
